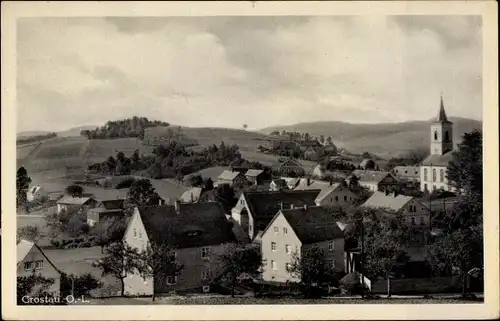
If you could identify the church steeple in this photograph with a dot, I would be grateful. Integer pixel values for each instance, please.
(441, 118)
(441, 133)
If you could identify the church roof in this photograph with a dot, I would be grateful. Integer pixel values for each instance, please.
(441, 117)
(438, 160)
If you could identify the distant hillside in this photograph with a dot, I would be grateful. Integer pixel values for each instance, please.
(385, 139)
(75, 131)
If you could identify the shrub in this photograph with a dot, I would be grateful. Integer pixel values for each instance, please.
(126, 183)
(85, 244)
(83, 284)
(85, 228)
(55, 243)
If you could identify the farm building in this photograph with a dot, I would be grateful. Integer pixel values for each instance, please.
(255, 176)
(105, 210)
(68, 203)
(374, 180)
(278, 184)
(290, 167)
(231, 178)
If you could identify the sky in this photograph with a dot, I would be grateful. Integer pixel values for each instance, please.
(260, 71)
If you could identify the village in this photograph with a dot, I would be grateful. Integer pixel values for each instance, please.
(367, 228)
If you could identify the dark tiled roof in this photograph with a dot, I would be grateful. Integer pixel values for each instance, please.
(313, 224)
(267, 204)
(112, 204)
(196, 225)
(438, 160)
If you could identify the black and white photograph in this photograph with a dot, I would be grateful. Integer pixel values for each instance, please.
(250, 159)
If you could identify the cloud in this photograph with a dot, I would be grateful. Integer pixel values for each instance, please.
(262, 71)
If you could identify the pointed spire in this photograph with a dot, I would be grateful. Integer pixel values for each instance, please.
(442, 113)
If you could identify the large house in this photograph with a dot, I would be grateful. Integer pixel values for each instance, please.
(31, 260)
(331, 193)
(414, 211)
(68, 203)
(433, 169)
(290, 167)
(231, 178)
(105, 210)
(293, 232)
(195, 232)
(407, 173)
(374, 180)
(255, 210)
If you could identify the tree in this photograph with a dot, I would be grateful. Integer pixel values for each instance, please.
(465, 171)
(329, 140)
(142, 193)
(23, 182)
(34, 285)
(209, 184)
(311, 268)
(74, 190)
(236, 261)
(136, 157)
(109, 231)
(322, 139)
(120, 261)
(159, 263)
(79, 285)
(179, 176)
(366, 155)
(353, 182)
(196, 180)
(245, 126)
(29, 233)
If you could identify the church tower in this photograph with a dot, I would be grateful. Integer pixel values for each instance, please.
(441, 133)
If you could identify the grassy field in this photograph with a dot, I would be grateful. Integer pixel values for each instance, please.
(212, 172)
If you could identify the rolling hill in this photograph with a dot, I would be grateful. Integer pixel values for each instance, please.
(384, 139)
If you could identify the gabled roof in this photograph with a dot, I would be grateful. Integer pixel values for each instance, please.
(254, 172)
(196, 225)
(381, 200)
(290, 162)
(438, 160)
(228, 175)
(291, 181)
(312, 225)
(70, 200)
(191, 195)
(24, 247)
(367, 176)
(111, 204)
(326, 191)
(266, 204)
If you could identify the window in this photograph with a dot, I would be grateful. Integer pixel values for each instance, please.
(425, 175)
(422, 222)
(441, 175)
(39, 265)
(345, 198)
(273, 265)
(171, 279)
(336, 198)
(135, 233)
(288, 249)
(288, 267)
(276, 230)
(205, 273)
(412, 221)
(28, 266)
(446, 136)
(331, 246)
(140, 235)
(285, 231)
(273, 246)
(434, 175)
(205, 252)
(331, 263)
(173, 256)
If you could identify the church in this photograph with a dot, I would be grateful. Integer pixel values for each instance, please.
(433, 168)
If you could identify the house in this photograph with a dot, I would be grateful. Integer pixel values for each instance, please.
(433, 170)
(195, 232)
(321, 172)
(310, 153)
(290, 167)
(407, 173)
(47, 190)
(105, 210)
(67, 203)
(278, 184)
(296, 231)
(31, 260)
(254, 210)
(367, 164)
(414, 211)
(374, 180)
(255, 176)
(231, 178)
(331, 193)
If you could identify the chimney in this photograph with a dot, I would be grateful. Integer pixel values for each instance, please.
(282, 205)
(292, 206)
(177, 206)
(305, 207)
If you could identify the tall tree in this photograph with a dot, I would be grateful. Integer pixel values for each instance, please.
(23, 182)
(29, 233)
(329, 140)
(142, 193)
(74, 190)
(236, 260)
(120, 261)
(311, 268)
(159, 263)
(34, 285)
